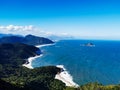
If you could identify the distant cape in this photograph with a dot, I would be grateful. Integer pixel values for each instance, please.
(28, 39)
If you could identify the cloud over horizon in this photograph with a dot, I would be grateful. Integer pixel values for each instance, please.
(25, 30)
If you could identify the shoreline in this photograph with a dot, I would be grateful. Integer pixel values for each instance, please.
(40, 46)
(65, 77)
(30, 59)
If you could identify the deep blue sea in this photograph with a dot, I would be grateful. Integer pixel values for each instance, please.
(86, 64)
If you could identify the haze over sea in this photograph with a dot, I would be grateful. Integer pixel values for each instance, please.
(86, 64)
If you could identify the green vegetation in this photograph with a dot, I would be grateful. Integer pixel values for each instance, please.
(13, 76)
(15, 54)
(38, 78)
(95, 86)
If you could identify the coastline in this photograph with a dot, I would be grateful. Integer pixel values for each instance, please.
(65, 77)
(30, 59)
(40, 46)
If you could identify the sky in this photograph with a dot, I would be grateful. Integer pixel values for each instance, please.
(84, 19)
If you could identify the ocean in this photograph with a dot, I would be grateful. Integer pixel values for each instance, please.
(86, 64)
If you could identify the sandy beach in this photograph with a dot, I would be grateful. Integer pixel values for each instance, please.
(30, 59)
(39, 46)
(29, 65)
(65, 77)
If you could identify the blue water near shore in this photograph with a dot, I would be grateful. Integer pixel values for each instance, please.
(86, 64)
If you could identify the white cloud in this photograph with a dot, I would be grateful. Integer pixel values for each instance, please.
(14, 28)
(22, 30)
(25, 30)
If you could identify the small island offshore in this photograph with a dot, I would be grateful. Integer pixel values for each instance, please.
(88, 45)
(14, 54)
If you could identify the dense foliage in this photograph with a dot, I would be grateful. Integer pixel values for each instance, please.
(15, 54)
(95, 86)
(35, 79)
(13, 76)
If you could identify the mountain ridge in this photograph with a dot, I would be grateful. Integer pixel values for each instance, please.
(28, 39)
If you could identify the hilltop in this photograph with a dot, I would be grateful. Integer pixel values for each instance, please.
(28, 39)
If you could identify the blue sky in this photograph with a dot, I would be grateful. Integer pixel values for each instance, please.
(92, 19)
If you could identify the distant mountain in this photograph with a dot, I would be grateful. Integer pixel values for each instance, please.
(3, 35)
(56, 38)
(29, 39)
(6, 35)
(11, 39)
(34, 40)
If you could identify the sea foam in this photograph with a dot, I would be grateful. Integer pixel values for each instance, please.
(65, 77)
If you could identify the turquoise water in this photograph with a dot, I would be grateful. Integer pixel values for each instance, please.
(86, 64)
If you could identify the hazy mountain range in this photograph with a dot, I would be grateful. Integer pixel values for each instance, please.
(28, 39)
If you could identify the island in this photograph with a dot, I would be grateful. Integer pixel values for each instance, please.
(88, 44)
